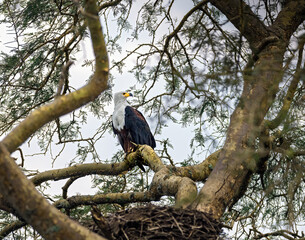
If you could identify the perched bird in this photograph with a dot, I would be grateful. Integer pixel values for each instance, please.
(130, 125)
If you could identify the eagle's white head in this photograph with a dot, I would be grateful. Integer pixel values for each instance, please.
(120, 103)
(120, 98)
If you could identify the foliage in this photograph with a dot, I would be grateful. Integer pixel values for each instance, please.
(189, 71)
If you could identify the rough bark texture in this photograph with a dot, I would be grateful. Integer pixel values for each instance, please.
(237, 159)
(165, 181)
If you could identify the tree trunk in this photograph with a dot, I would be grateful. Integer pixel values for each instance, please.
(238, 159)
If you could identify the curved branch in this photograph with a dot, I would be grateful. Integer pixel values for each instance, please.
(197, 172)
(33, 207)
(165, 182)
(65, 104)
(67, 185)
(283, 233)
(201, 171)
(14, 186)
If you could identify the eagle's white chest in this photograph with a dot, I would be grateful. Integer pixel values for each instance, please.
(118, 117)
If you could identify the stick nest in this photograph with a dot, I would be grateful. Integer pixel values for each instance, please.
(154, 222)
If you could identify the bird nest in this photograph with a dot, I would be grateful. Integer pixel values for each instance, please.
(154, 222)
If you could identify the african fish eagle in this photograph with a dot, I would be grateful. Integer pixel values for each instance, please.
(130, 125)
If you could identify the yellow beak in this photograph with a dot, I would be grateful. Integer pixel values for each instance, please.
(127, 94)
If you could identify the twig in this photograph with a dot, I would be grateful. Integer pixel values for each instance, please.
(63, 77)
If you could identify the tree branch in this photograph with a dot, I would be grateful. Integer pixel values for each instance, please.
(291, 90)
(165, 182)
(242, 17)
(89, 200)
(33, 207)
(184, 19)
(283, 233)
(289, 19)
(82, 170)
(120, 198)
(14, 186)
(201, 171)
(10, 228)
(67, 103)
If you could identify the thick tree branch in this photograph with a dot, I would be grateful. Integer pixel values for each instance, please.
(289, 19)
(165, 182)
(33, 207)
(197, 172)
(242, 17)
(201, 171)
(82, 170)
(148, 156)
(14, 186)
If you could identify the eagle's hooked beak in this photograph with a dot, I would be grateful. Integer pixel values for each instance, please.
(126, 94)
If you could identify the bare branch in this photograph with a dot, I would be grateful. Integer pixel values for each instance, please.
(63, 77)
(164, 181)
(82, 170)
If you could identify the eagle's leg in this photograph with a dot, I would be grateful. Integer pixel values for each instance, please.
(138, 161)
